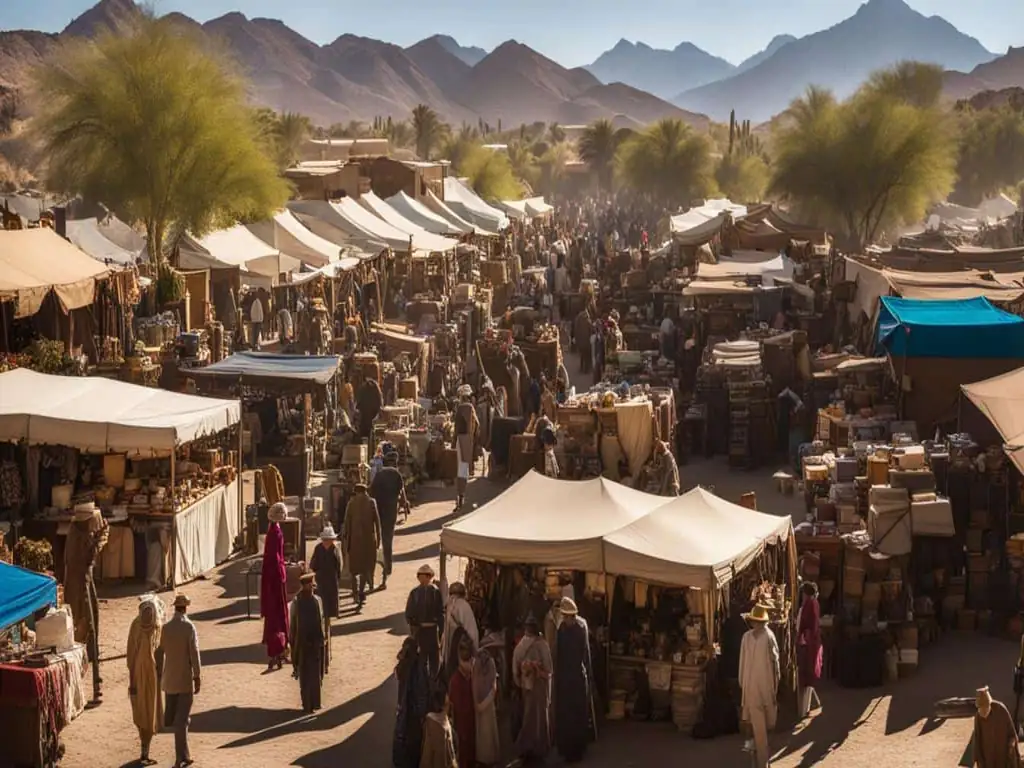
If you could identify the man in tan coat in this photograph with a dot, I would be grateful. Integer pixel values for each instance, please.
(179, 648)
(362, 537)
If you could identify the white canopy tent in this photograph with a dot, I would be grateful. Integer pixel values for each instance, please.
(89, 236)
(438, 206)
(696, 540)
(236, 247)
(101, 415)
(34, 262)
(468, 204)
(422, 237)
(537, 206)
(698, 225)
(519, 526)
(289, 235)
(355, 221)
(516, 209)
(416, 212)
(741, 264)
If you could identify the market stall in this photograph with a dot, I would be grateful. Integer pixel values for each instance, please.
(41, 691)
(111, 443)
(651, 576)
(289, 407)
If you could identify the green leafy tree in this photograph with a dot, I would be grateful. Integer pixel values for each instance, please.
(910, 82)
(523, 162)
(428, 130)
(490, 174)
(290, 132)
(556, 133)
(597, 147)
(668, 161)
(552, 167)
(867, 164)
(742, 178)
(157, 127)
(991, 154)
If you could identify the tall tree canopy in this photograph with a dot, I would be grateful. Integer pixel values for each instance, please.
(991, 155)
(428, 129)
(668, 161)
(156, 127)
(597, 147)
(875, 161)
(490, 174)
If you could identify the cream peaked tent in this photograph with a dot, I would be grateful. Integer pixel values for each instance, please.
(699, 225)
(34, 262)
(1001, 401)
(516, 209)
(416, 212)
(696, 540)
(291, 236)
(423, 238)
(438, 206)
(554, 522)
(468, 204)
(236, 247)
(356, 222)
(537, 206)
(322, 220)
(99, 415)
(89, 236)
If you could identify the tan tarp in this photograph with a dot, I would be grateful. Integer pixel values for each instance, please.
(542, 521)
(696, 540)
(1001, 400)
(99, 415)
(35, 261)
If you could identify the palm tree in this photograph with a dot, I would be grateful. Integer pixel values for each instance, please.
(428, 130)
(523, 162)
(597, 148)
(556, 133)
(290, 132)
(669, 161)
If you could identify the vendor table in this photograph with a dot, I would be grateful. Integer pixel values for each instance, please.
(35, 706)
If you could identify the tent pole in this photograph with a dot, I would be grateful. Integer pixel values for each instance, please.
(241, 497)
(174, 524)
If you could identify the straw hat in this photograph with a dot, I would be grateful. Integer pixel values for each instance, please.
(85, 511)
(567, 606)
(277, 513)
(425, 570)
(758, 614)
(983, 700)
(181, 600)
(307, 577)
(327, 534)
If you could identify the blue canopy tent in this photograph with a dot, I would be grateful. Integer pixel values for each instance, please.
(949, 328)
(936, 346)
(22, 593)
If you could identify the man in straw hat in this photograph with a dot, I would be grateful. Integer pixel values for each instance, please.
(424, 611)
(995, 733)
(362, 537)
(87, 536)
(759, 680)
(574, 675)
(326, 565)
(179, 646)
(309, 634)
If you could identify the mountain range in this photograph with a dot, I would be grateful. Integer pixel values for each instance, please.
(359, 78)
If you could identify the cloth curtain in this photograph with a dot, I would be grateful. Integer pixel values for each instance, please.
(204, 534)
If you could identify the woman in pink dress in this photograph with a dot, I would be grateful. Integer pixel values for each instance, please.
(808, 628)
(273, 597)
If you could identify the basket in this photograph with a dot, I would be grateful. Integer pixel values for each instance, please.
(113, 469)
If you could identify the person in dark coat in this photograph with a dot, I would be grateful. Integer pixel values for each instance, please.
(362, 536)
(369, 400)
(388, 490)
(582, 329)
(326, 564)
(424, 612)
(573, 676)
(414, 690)
(308, 639)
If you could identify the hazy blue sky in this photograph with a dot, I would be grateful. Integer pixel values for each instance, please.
(573, 32)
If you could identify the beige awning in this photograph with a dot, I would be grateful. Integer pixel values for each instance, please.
(35, 261)
(1001, 399)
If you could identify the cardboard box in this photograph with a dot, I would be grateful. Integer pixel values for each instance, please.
(906, 636)
(911, 457)
(890, 530)
(878, 470)
(932, 518)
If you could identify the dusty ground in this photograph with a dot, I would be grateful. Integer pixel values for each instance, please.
(246, 715)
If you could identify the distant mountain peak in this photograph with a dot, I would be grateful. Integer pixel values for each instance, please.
(105, 15)
(777, 43)
(659, 71)
(471, 55)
